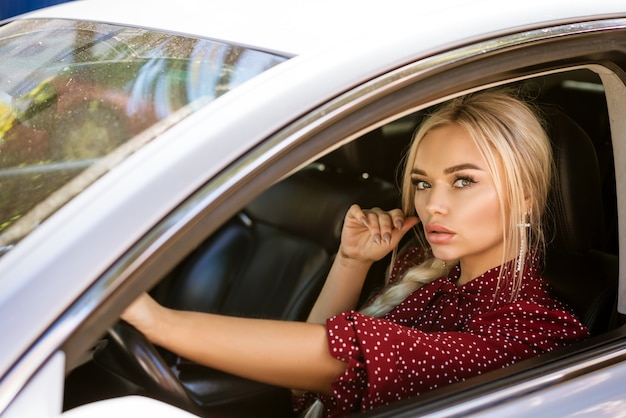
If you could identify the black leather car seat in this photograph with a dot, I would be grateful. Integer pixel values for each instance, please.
(271, 261)
(589, 108)
(580, 272)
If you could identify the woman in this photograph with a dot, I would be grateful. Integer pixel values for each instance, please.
(467, 300)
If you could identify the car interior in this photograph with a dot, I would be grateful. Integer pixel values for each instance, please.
(271, 259)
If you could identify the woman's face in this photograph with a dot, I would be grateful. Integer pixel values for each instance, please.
(457, 202)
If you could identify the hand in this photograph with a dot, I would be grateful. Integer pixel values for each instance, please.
(369, 235)
(142, 313)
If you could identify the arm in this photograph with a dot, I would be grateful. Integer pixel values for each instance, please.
(422, 361)
(287, 354)
(367, 236)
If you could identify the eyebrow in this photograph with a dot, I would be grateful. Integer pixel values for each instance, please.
(450, 170)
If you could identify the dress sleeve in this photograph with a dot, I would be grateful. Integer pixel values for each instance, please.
(387, 361)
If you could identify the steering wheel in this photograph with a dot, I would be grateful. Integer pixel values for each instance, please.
(130, 355)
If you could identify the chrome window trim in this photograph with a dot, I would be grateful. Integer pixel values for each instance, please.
(239, 174)
(616, 104)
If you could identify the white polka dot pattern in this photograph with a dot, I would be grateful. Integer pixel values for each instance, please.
(442, 334)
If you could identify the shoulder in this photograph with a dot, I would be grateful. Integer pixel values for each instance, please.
(533, 323)
(537, 290)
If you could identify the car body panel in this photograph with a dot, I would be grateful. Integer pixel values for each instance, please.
(605, 400)
(301, 27)
(149, 185)
(127, 406)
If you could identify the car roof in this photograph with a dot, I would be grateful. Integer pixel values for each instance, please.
(295, 27)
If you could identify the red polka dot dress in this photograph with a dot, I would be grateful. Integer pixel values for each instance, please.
(441, 334)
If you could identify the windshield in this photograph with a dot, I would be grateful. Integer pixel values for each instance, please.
(71, 93)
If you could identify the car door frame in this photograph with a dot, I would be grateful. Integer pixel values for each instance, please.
(426, 82)
(595, 44)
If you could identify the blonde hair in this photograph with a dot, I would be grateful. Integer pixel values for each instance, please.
(516, 149)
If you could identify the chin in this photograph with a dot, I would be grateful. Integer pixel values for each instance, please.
(445, 255)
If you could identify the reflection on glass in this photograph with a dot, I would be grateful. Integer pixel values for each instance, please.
(73, 92)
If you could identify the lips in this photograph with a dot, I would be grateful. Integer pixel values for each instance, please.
(438, 234)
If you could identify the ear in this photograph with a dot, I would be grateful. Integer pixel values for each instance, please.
(528, 203)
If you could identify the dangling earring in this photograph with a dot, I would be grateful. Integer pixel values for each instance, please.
(524, 227)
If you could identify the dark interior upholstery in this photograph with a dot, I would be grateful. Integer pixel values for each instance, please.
(271, 261)
(272, 258)
(581, 273)
(588, 108)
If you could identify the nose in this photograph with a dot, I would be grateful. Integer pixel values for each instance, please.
(436, 201)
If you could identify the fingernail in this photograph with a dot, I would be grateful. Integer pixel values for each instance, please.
(387, 238)
(399, 224)
(377, 239)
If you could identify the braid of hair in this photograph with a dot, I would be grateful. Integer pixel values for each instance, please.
(414, 278)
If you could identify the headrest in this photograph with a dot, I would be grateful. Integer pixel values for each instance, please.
(375, 153)
(313, 202)
(575, 218)
(358, 156)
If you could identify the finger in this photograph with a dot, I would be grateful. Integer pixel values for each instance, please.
(397, 216)
(373, 224)
(408, 223)
(381, 225)
(358, 214)
(385, 223)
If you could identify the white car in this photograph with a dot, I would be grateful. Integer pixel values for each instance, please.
(207, 151)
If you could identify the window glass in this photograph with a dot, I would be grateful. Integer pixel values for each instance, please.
(72, 92)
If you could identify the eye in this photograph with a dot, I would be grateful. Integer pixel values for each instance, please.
(463, 182)
(420, 184)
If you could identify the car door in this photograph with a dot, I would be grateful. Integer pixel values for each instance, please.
(597, 48)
